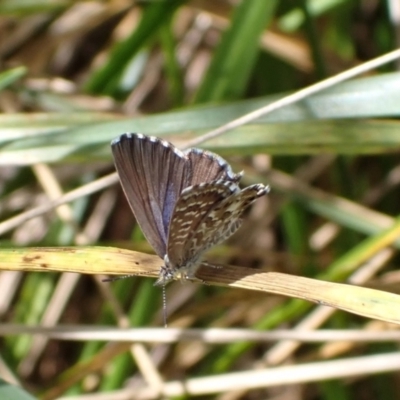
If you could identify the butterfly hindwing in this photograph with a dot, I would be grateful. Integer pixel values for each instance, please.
(225, 218)
(208, 167)
(193, 206)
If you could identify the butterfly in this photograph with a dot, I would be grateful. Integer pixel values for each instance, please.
(185, 202)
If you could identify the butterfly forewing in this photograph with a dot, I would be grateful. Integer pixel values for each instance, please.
(153, 174)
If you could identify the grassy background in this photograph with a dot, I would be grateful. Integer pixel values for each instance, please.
(77, 74)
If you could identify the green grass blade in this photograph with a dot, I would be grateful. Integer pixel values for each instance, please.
(235, 56)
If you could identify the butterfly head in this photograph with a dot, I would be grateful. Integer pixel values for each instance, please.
(166, 275)
(171, 272)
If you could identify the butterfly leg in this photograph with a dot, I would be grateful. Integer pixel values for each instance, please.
(208, 265)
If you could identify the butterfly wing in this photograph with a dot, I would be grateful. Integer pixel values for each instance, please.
(225, 218)
(207, 166)
(153, 173)
(193, 206)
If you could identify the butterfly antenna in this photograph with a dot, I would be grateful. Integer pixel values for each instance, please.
(164, 304)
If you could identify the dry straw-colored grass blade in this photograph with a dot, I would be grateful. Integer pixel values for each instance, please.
(363, 301)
